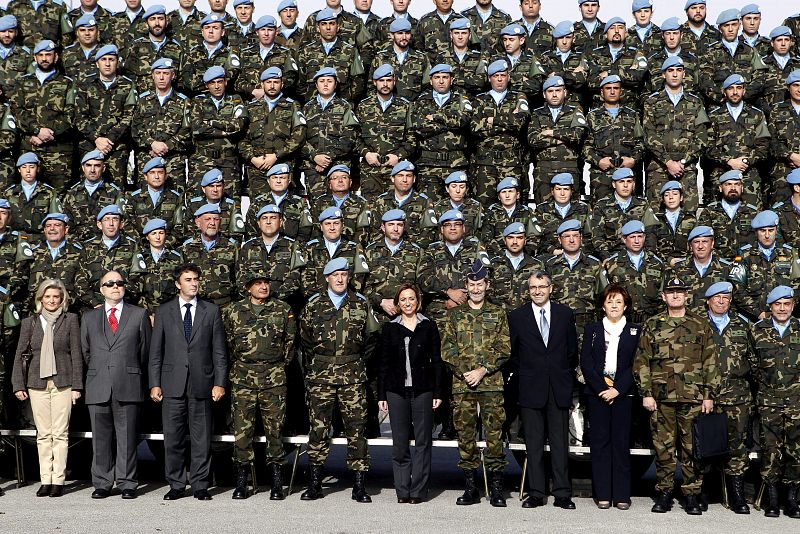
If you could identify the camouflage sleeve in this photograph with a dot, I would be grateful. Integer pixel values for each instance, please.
(85, 122)
(589, 152)
(306, 328)
(450, 355)
(298, 136)
(61, 123)
(118, 128)
(290, 336)
(637, 142)
(501, 349)
(711, 376)
(762, 138)
(653, 138)
(641, 364)
(181, 138)
(573, 134)
(428, 281)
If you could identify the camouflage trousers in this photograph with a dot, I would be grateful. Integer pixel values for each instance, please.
(738, 421)
(671, 427)
(430, 180)
(352, 400)
(56, 168)
(657, 177)
(374, 180)
(246, 405)
(483, 180)
(467, 407)
(780, 429)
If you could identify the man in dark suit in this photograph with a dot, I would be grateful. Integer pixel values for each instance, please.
(188, 369)
(544, 350)
(115, 340)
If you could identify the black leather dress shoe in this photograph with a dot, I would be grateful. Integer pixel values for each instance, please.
(403, 500)
(173, 495)
(202, 495)
(44, 490)
(564, 502)
(100, 493)
(57, 490)
(415, 500)
(532, 502)
(129, 494)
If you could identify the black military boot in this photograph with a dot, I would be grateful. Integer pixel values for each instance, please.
(359, 491)
(792, 509)
(663, 503)
(314, 490)
(737, 501)
(240, 492)
(691, 505)
(773, 507)
(471, 495)
(276, 493)
(496, 490)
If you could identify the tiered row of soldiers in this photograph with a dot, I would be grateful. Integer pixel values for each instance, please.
(403, 146)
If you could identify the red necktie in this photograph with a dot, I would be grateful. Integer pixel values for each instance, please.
(112, 320)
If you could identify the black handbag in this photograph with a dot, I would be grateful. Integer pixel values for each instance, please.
(710, 435)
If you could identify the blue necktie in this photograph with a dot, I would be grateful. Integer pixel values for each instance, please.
(545, 328)
(187, 322)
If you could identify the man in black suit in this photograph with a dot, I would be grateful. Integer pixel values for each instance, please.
(188, 369)
(544, 351)
(115, 340)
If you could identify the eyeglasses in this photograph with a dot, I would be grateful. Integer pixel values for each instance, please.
(112, 283)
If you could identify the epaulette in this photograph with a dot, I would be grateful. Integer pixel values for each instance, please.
(714, 110)
(249, 240)
(230, 201)
(77, 245)
(188, 241)
(313, 297)
(629, 109)
(176, 192)
(681, 260)
(232, 241)
(744, 319)
(423, 195)
(202, 96)
(655, 256)
(137, 192)
(599, 48)
(787, 246)
(144, 94)
(751, 206)
(126, 78)
(360, 296)
(412, 244)
(778, 205)
(313, 242)
(10, 187)
(745, 247)
(287, 238)
(757, 109)
(472, 239)
(725, 262)
(58, 2)
(113, 186)
(403, 99)
(181, 96)
(763, 322)
(73, 45)
(595, 258)
(287, 99)
(437, 244)
(614, 256)
(130, 239)
(195, 199)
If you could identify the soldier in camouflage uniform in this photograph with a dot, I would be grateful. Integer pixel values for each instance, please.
(614, 58)
(16, 59)
(677, 372)
(538, 31)
(129, 24)
(212, 51)
(508, 208)
(243, 32)
(393, 260)
(140, 54)
(562, 206)
(335, 332)
(8, 144)
(102, 15)
(439, 121)
(565, 61)
(731, 334)
(332, 131)
(84, 200)
(218, 9)
(525, 71)
(614, 139)
(409, 66)
(730, 216)
(788, 213)
(765, 264)
(45, 114)
(701, 269)
(296, 218)
(497, 127)
(55, 257)
(751, 23)
(78, 59)
(355, 210)
(511, 270)
(280, 257)
(784, 122)
(404, 195)
(275, 132)
(738, 139)
(48, 21)
(776, 344)
(263, 54)
(399, 11)
(669, 231)
(469, 66)
(486, 21)
(328, 49)
(671, 37)
(555, 134)
(351, 28)
(15, 255)
(261, 333)
(697, 34)
(644, 35)
(152, 201)
(183, 24)
(31, 199)
(640, 270)
(215, 254)
(155, 283)
(385, 137)
(432, 34)
(588, 31)
(212, 187)
(675, 128)
(290, 34)
(475, 347)
(779, 65)
(456, 186)
(613, 211)
(217, 120)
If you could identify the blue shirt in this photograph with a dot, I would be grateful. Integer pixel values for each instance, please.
(781, 328)
(441, 98)
(336, 298)
(720, 321)
(28, 189)
(92, 187)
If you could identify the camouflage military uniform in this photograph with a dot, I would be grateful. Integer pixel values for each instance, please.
(47, 105)
(575, 82)
(82, 208)
(281, 131)
(261, 344)
(698, 45)
(15, 257)
(197, 60)
(686, 270)
(526, 74)
(473, 215)
(473, 339)
(495, 220)
(486, 33)
(784, 124)
(317, 255)
(509, 288)
(416, 206)
(651, 42)
(241, 39)
(253, 65)
(293, 41)
(585, 42)
(432, 34)
(16, 64)
(8, 143)
(156, 284)
(280, 264)
(64, 267)
(102, 111)
(677, 364)
(48, 22)
(384, 132)
(218, 266)
(297, 223)
(539, 39)
(469, 72)
(729, 234)
(630, 65)
(717, 63)
(215, 133)
(104, 24)
(351, 30)
(139, 209)
(549, 219)
(608, 217)
(335, 343)
(96, 259)
(411, 76)
(557, 153)
(229, 209)
(777, 363)
(355, 216)
(655, 82)
(736, 372)
(643, 284)
(498, 148)
(788, 222)
(388, 271)
(774, 80)
(441, 138)
(671, 243)
(187, 33)
(343, 57)
(760, 274)
(27, 213)
(169, 124)
(332, 131)
(615, 138)
(78, 62)
(381, 35)
(137, 59)
(124, 30)
(677, 133)
(577, 286)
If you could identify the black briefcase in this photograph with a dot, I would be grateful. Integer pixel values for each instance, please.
(710, 435)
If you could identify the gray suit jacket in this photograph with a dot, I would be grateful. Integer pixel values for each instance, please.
(204, 358)
(115, 361)
(67, 348)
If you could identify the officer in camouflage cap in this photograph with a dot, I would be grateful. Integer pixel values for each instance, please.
(336, 326)
(261, 335)
(677, 371)
(31, 199)
(475, 346)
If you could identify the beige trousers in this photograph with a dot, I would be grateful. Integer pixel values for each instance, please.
(51, 410)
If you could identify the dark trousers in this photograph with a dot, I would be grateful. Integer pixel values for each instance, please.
(534, 423)
(187, 420)
(107, 419)
(411, 473)
(610, 427)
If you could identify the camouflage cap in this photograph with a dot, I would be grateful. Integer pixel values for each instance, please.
(154, 224)
(336, 264)
(253, 275)
(778, 293)
(477, 271)
(717, 288)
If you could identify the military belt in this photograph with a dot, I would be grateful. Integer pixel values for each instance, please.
(337, 359)
(441, 156)
(491, 156)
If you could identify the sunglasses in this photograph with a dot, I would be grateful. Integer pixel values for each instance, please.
(112, 283)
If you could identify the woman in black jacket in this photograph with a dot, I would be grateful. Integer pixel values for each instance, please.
(609, 348)
(409, 382)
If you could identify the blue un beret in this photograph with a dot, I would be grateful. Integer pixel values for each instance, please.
(27, 157)
(733, 79)
(690, 3)
(280, 168)
(325, 14)
(237, 3)
(55, 217)
(87, 19)
(553, 81)
(441, 67)
(672, 61)
(562, 178)
(4, 204)
(780, 31)
(325, 71)
(568, 225)
(111, 209)
(750, 9)
(461, 23)
(383, 71)
(611, 22)
(211, 177)
(497, 66)
(719, 287)
(331, 212)
(400, 25)
(271, 73)
(106, 50)
(764, 219)
(8, 22)
(729, 15)
(154, 224)
(451, 215)
(393, 215)
(701, 231)
(508, 182)
(780, 292)
(793, 178)
(154, 163)
(285, 4)
(207, 208)
(562, 29)
(338, 168)
(632, 227)
(336, 264)
(793, 77)
(401, 166)
(672, 185)
(266, 21)
(456, 177)
(640, 4)
(93, 154)
(163, 63)
(621, 174)
(515, 30)
(269, 208)
(157, 9)
(671, 24)
(212, 73)
(613, 78)
(514, 228)
(730, 175)
(44, 46)
(211, 18)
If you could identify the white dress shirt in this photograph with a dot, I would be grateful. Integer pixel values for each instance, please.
(192, 310)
